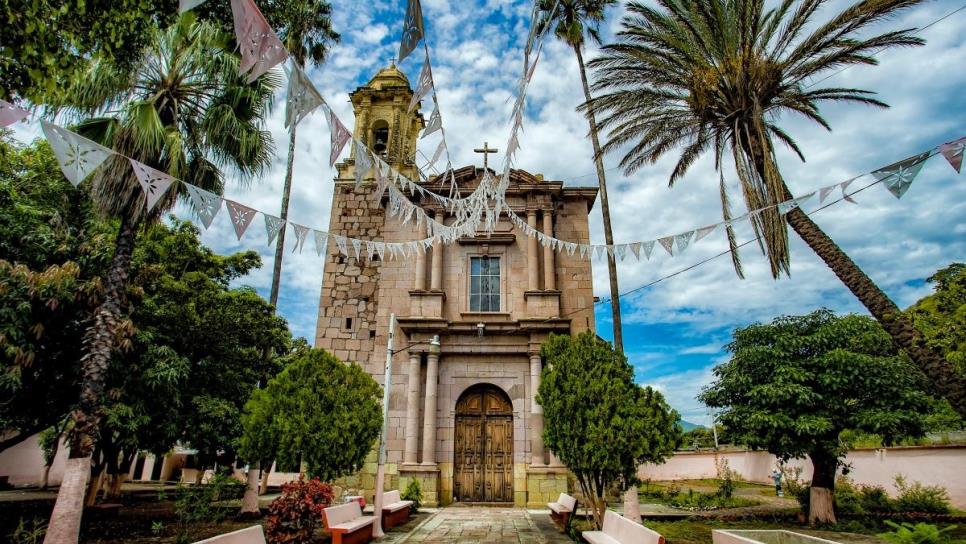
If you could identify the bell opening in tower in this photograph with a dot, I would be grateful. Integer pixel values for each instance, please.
(380, 137)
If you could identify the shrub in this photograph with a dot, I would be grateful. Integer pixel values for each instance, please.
(875, 499)
(413, 493)
(294, 516)
(847, 497)
(196, 503)
(726, 478)
(795, 487)
(31, 532)
(920, 533)
(915, 497)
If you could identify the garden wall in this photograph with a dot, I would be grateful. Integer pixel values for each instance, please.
(931, 465)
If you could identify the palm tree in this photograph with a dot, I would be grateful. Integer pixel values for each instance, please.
(307, 34)
(571, 21)
(182, 109)
(716, 75)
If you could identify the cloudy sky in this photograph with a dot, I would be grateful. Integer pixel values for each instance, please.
(675, 329)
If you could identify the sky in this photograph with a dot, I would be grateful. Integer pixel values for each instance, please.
(675, 330)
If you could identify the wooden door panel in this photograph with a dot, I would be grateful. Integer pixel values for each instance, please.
(483, 444)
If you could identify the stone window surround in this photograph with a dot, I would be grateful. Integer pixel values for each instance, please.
(500, 252)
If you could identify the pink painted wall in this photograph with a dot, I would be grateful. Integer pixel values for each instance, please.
(24, 463)
(931, 465)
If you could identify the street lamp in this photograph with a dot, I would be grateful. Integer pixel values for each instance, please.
(381, 466)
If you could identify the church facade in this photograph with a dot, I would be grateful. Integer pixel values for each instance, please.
(463, 418)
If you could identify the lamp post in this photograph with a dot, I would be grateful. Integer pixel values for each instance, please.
(387, 386)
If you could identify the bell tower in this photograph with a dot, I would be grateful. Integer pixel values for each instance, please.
(384, 123)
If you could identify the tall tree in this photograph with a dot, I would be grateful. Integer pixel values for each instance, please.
(716, 75)
(941, 316)
(795, 385)
(600, 423)
(183, 110)
(572, 21)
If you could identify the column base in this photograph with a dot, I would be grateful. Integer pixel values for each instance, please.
(545, 484)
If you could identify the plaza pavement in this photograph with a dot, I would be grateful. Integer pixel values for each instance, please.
(479, 525)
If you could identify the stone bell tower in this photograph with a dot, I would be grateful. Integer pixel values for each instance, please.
(384, 123)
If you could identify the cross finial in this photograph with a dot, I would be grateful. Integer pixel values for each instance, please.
(392, 61)
(486, 150)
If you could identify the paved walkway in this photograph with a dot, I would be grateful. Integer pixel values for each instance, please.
(478, 525)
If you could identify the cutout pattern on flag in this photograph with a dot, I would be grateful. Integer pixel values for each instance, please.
(435, 122)
(273, 225)
(363, 161)
(260, 47)
(77, 156)
(302, 98)
(424, 85)
(412, 29)
(153, 182)
(338, 137)
(241, 217)
(898, 177)
(206, 204)
(953, 152)
(300, 234)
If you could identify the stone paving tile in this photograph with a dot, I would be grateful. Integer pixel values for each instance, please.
(487, 525)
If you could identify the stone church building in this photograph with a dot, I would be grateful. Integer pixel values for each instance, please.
(462, 417)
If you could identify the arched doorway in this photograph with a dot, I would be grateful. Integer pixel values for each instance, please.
(483, 464)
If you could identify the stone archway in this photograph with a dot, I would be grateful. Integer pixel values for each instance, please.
(483, 446)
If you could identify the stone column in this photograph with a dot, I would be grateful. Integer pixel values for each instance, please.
(536, 414)
(429, 409)
(412, 411)
(533, 266)
(421, 265)
(549, 268)
(436, 280)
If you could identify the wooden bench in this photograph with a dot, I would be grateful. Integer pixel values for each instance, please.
(395, 511)
(620, 530)
(347, 524)
(251, 535)
(562, 511)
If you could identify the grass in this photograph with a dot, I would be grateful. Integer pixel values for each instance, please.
(698, 531)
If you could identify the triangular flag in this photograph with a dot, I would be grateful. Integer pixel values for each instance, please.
(844, 186)
(683, 240)
(356, 247)
(338, 137)
(153, 182)
(621, 251)
(824, 192)
(300, 234)
(206, 204)
(260, 47)
(636, 250)
(435, 122)
(584, 251)
(320, 241)
(599, 251)
(77, 155)
(370, 249)
(412, 29)
(272, 227)
(898, 177)
(241, 216)
(186, 5)
(437, 154)
(703, 231)
(340, 242)
(953, 151)
(668, 243)
(571, 247)
(302, 97)
(381, 250)
(10, 114)
(363, 161)
(648, 247)
(424, 85)
(787, 206)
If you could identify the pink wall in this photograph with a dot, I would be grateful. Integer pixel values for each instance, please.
(931, 465)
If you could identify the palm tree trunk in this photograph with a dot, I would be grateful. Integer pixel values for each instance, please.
(280, 242)
(615, 300)
(64, 527)
(896, 323)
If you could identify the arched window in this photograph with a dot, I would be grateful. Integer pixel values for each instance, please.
(380, 136)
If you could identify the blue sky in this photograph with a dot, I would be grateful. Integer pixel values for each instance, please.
(675, 330)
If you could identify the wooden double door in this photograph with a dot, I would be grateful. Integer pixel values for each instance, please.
(483, 465)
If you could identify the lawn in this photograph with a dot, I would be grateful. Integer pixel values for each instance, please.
(698, 531)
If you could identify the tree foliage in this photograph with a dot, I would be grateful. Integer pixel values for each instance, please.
(941, 316)
(318, 411)
(795, 385)
(596, 419)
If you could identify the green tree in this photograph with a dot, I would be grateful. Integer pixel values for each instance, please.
(717, 75)
(186, 111)
(52, 254)
(795, 385)
(318, 411)
(597, 420)
(941, 316)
